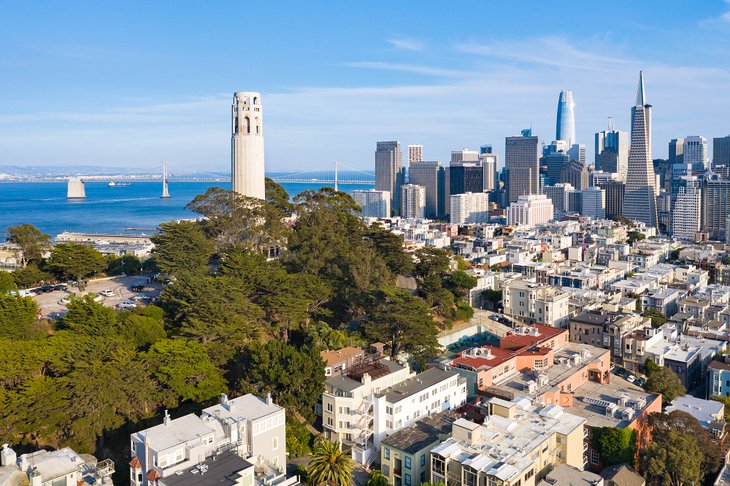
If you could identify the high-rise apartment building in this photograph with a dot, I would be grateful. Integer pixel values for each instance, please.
(721, 151)
(695, 153)
(469, 208)
(687, 210)
(522, 164)
(559, 194)
(565, 124)
(715, 204)
(593, 202)
(247, 145)
(530, 210)
(612, 152)
(373, 203)
(413, 201)
(640, 196)
(389, 171)
(426, 174)
(488, 161)
(415, 154)
(676, 151)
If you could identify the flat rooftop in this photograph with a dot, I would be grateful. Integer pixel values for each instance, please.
(703, 410)
(348, 383)
(590, 401)
(221, 471)
(415, 385)
(248, 407)
(564, 474)
(423, 433)
(182, 430)
(564, 367)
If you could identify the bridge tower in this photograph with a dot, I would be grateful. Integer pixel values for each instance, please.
(165, 192)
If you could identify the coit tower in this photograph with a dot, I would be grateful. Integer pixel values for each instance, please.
(247, 145)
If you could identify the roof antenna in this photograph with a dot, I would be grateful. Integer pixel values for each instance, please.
(610, 123)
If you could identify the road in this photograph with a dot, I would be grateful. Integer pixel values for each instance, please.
(52, 307)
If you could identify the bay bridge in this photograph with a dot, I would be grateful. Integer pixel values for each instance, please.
(335, 174)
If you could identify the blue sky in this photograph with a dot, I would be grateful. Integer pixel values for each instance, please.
(131, 83)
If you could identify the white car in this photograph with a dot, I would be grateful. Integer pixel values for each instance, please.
(631, 379)
(127, 304)
(107, 293)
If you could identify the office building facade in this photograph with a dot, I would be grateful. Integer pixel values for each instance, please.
(522, 163)
(488, 161)
(389, 171)
(676, 151)
(695, 153)
(575, 174)
(415, 154)
(530, 210)
(427, 174)
(559, 194)
(593, 202)
(612, 152)
(715, 204)
(721, 151)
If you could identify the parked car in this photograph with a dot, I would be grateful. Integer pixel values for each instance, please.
(127, 304)
(62, 287)
(641, 381)
(45, 288)
(137, 288)
(107, 293)
(631, 379)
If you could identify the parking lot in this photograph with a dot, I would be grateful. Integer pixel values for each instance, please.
(53, 304)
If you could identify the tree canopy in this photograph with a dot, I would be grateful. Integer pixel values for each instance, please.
(30, 241)
(75, 261)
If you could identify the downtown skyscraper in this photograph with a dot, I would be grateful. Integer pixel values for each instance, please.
(565, 124)
(389, 171)
(640, 196)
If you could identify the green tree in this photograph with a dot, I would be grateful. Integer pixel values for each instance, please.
(635, 236)
(182, 246)
(30, 276)
(30, 241)
(664, 381)
(17, 316)
(183, 367)
(298, 438)
(431, 261)
(616, 446)
(125, 264)
(657, 318)
(460, 283)
(277, 196)
(86, 316)
(376, 478)
(7, 283)
(712, 456)
(404, 323)
(330, 465)
(492, 296)
(143, 330)
(650, 366)
(389, 247)
(673, 459)
(76, 261)
(294, 377)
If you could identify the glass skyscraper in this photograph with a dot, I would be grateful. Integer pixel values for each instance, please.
(565, 124)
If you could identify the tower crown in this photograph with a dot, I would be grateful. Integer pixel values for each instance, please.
(247, 112)
(640, 96)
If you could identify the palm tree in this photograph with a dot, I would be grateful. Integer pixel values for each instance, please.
(329, 465)
(376, 478)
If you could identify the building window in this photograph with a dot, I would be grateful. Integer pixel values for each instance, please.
(595, 457)
(423, 459)
(407, 479)
(329, 407)
(275, 444)
(386, 453)
(407, 462)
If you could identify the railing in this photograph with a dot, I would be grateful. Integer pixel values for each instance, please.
(105, 467)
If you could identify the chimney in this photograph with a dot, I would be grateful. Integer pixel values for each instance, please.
(365, 378)
(166, 420)
(7, 456)
(269, 401)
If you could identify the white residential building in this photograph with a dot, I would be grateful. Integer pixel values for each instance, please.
(249, 428)
(413, 201)
(62, 467)
(530, 210)
(374, 204)
(530, 302)
(687, 210)
(470, 207)
(415, 154)
(377, 397)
